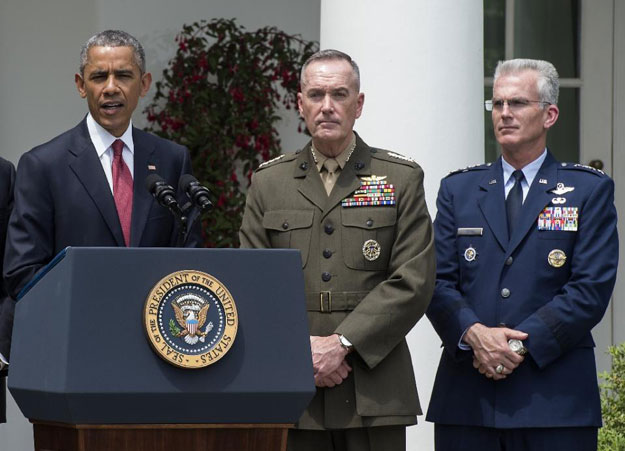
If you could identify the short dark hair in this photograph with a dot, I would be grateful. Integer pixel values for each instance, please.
(113, 38)
(331, 54)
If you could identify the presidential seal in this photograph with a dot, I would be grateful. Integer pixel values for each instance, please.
(190, 319)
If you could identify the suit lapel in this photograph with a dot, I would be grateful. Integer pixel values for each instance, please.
(537, 199)
(492, 203)
(310, 186)
(87, 167)
(142, 199)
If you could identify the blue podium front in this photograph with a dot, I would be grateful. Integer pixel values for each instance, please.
(81, 355)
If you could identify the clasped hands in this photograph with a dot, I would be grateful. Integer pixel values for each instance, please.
(491, 349)
(329, 364)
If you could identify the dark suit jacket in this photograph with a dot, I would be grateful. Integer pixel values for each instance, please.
(556, 385)
(62, 198)
(7, 305)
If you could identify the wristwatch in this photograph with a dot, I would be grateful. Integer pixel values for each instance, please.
(517, 346)
(347, 345)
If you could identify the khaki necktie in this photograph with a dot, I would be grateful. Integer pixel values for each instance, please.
(330, 174)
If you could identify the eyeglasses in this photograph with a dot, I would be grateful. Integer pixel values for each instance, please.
(513, 104)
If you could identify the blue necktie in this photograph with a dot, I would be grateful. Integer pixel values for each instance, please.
(514, 201)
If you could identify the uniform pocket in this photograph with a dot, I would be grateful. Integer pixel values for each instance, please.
(368, 237)
(555, 234)
(290, 229)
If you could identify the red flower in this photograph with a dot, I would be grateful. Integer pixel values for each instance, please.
(237, 95)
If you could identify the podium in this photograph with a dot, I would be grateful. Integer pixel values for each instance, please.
(85, 373)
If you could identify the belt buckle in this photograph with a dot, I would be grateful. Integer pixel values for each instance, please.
(325, 297)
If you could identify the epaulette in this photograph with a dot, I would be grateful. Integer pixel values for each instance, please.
(582, 167)
(273, 161)
(392, 156)
(475, 167)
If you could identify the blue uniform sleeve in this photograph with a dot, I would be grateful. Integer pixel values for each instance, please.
(448, 312)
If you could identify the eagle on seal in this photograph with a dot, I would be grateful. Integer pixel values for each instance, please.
(191, 320)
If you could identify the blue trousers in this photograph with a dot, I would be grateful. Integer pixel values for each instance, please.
(469, 438)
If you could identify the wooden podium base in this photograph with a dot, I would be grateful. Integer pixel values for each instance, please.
(160, 437)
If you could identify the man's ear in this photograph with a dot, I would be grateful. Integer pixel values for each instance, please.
(299, 104)
(361, 102)
(80, 85)
(146, 81)
(552, 116)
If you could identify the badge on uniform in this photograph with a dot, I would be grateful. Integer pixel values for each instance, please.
(561, 189)
(559, 218)
(371, 250)
(374, 191)
(556, 258)
(470, 254)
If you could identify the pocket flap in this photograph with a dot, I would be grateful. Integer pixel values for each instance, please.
(369, 218)
(285, 220)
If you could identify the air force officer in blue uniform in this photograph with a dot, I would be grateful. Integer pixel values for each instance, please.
(527, 252)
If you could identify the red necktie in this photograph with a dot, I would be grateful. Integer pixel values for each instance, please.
(122, 189)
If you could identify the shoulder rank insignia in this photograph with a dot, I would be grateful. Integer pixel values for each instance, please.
(470, 168)
(400, 157)
(561, 189)
(267, 163)
(585, 166)
(373, 191)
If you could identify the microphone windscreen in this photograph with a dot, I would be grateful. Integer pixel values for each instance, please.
(152, 180)
(185, 181)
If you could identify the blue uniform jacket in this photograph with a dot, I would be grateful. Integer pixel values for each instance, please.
(511, 282)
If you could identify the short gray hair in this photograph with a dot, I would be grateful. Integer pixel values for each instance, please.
(331, 54)
(113, 38)
(548, 81)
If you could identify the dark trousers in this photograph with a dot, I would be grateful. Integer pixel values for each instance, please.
(383, 438)
(468, 438)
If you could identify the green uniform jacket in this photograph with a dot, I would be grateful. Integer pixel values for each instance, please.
(373, 303)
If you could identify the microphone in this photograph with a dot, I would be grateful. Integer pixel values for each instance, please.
(198, 194)
(163, 193)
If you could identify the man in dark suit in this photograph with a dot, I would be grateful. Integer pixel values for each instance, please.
(7, 305)
(527, 252)
(359, 218)
(86, 186)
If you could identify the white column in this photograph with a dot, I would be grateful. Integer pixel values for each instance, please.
(421, 65)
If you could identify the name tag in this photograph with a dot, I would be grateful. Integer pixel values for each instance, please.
(470, 231)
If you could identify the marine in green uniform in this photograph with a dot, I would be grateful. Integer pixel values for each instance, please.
(359, 218)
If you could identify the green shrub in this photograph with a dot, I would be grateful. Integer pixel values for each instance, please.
(220, 96)
(612, 434)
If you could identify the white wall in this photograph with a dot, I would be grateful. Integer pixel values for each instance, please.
(39, 49)
(421, 68)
